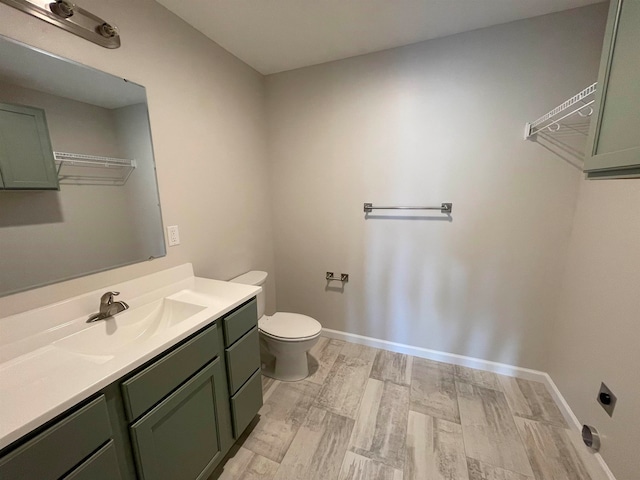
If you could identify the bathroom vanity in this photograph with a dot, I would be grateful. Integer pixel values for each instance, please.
(159, 391)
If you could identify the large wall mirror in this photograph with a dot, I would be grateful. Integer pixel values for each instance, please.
(106, 213)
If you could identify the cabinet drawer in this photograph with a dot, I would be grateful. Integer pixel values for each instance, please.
(61, 447)
(148, 387)
(246, 403)
(178, 439)
(243, 359)
(102, 465)
(240, 322)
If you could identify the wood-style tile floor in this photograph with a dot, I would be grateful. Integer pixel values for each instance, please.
(369, 414)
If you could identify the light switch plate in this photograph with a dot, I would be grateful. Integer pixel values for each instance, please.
(174, 235)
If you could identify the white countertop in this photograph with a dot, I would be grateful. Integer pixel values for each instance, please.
(39, 381)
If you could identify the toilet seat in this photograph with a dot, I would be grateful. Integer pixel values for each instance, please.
(292, 327)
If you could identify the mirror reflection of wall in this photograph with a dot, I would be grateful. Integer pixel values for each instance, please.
(86, 227)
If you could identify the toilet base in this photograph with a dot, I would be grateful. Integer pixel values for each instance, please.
(285, 361)
(289, 368)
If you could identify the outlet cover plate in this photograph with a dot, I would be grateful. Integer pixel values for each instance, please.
(612, 399)
(174, 235)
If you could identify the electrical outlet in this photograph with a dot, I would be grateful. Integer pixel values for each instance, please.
(174, 235)
(607, 399)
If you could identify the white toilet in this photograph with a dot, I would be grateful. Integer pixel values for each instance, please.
(285, 338)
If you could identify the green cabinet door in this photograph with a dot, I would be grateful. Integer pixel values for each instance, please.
(179, 437)
(152, 384)
(26, 155)
(614, 136)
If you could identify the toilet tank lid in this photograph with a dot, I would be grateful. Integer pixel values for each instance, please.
(254, 277)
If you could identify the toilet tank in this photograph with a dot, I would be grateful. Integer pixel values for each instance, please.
(257, 278)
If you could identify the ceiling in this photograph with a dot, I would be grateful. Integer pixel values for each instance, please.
(277, 35)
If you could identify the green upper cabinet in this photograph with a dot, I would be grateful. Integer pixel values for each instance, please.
(26, 155)
(613, 148)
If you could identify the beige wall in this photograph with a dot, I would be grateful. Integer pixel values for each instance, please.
(419, 125)
(595, 338)
(207, 120)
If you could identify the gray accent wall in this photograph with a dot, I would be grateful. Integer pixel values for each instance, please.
(438, 121)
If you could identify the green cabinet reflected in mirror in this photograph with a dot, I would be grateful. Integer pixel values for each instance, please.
(78, 189)
(26, 155)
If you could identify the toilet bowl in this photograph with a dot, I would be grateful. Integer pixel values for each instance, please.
(285, 338)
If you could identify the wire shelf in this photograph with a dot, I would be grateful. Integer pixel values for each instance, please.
(80, 169)
(540, 124)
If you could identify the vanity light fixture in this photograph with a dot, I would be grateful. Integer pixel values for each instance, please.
(72, 18)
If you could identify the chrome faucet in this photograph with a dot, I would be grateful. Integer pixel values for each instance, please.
(108, 307)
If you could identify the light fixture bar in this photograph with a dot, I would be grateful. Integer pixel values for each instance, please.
(70, 17)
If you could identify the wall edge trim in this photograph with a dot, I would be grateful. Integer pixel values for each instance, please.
(480, 364)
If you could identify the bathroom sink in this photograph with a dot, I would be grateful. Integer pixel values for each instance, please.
(214, 300)
(114, 334)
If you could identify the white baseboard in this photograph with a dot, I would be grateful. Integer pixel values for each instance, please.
(564, 407)
(455, 359)
(604, 466)
(478, 363)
